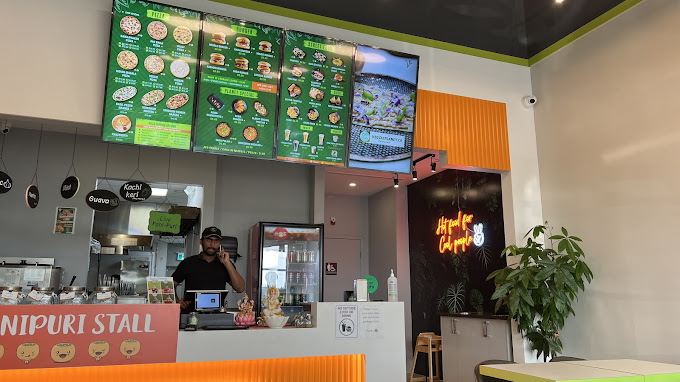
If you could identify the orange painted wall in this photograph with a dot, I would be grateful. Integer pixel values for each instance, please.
(342, 368)
(473, 132)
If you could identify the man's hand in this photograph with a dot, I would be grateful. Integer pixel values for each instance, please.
(184, 304)
(224, 257)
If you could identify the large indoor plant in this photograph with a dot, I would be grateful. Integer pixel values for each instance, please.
(539, 290)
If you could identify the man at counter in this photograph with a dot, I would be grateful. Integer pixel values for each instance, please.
(209, 270)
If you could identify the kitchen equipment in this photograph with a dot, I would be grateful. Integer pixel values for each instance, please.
(289, 258)
(28, 272)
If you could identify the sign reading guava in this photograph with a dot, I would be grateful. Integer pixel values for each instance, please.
(163, 222)
(87, 335)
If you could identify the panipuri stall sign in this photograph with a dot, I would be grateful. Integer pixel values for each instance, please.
(163, 222)
(87, 335)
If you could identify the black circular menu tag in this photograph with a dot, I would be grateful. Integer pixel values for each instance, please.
(70, 187)
(32, 196)
(102, 200)
(5, 182)
(135, 191)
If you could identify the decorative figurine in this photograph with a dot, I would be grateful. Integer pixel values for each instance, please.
(245, 316)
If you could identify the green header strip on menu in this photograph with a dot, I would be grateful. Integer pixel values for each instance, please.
(319, 46)
(157, 15)
(238, 93)
(244, 30)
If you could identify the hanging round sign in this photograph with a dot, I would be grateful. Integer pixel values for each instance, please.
(102, 200)
(5, 182)
(70, 186)
(32, 196)
(135, 191)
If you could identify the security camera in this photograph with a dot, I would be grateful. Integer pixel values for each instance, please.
(529, 101)
(5, 129)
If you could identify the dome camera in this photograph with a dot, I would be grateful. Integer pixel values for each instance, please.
(529, 101)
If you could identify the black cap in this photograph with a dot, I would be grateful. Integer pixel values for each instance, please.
(211, 231)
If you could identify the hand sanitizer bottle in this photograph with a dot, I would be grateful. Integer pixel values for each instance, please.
(392, 287)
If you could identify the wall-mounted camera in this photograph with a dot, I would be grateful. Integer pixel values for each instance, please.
(529, 101)
(6, 129)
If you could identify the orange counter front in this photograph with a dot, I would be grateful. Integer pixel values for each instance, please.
(340, 368)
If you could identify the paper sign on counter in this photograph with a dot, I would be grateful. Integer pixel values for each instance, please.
(371, 321)
(347, 321)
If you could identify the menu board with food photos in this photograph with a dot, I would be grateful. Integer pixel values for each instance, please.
(315, 97)
(151, 78)
(383, 114)
(238, 92)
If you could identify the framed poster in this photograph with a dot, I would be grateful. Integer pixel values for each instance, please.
(65, 220)
(316, 93)
(238, 92)
(151, 77)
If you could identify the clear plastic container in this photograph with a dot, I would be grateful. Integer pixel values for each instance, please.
(73, 295)
(103, 295)
(42, 296)
(11, 295)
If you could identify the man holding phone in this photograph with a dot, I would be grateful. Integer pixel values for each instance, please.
(209, 270)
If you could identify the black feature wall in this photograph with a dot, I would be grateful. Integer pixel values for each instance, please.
(452, 282)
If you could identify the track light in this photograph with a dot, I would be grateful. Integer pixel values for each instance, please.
(396, 181)
(433, 165)
(415, 175)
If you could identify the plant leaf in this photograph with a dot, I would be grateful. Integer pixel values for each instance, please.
(545, 273)
(576, 238)
(514, 273)
(525, 296)
(564, 231)
(502, 290)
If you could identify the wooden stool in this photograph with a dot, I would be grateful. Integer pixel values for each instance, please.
(428, 343)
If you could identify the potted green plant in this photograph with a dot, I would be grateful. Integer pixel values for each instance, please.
(540, 289)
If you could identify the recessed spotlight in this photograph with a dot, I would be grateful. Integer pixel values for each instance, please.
(396, 181)
(415, 175)
(352, 184)
(559, 1)
(433, 165)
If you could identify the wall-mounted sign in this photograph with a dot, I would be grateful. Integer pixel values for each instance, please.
(331, 269)
(164, 222)
(151, 82)
(454, 234)
(316, 93)
(372, 283)
(88, 335)
(347, 321)
(69, 187)
(65, 220)
(135, 191)
(5, 182)
(238, 92)
(32, 196)
(102, 200)
(384, 111)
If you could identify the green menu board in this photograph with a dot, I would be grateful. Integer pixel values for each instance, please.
(315, 97)
(236, 111)
(151, 79)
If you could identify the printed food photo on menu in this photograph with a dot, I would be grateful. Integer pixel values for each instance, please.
(314, 118)
(151, 75)
(237, 97)
(383, 114)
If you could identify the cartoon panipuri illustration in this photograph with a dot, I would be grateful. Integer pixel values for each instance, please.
(28, 351)
(130, 348)
(98, 350)
(63, 352)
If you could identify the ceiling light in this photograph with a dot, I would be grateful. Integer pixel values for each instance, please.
(559, 1)
(415, 175)
(396, 181)
(159, 191)
(352, 184)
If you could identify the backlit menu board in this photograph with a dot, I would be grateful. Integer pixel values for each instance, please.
(383, 114)
(151, 78)
(315, 95)
(237, 99)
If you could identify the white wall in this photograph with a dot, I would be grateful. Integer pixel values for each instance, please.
(609, 148)
(26, 232)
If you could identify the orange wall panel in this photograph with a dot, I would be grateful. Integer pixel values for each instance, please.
(473, 132)
(342, 368)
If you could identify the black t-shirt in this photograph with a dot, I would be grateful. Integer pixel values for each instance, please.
(199, 274)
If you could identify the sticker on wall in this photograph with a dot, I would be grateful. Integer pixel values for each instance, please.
(372, 283)
(65, 220)
(135, 191)
(70, 187)
(32, 196)
(5, 182)
(102, 200)
(331, 269)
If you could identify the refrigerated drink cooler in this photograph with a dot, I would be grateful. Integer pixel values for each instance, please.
(288, 257)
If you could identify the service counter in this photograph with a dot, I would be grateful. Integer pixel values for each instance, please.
(380, 335)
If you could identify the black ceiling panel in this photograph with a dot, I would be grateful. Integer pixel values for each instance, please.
(518, 28)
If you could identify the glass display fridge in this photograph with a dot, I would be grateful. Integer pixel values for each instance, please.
(288, 257)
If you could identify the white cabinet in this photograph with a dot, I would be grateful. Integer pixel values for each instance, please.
(467, 341)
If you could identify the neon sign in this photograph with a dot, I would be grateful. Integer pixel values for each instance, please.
(455, 235)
